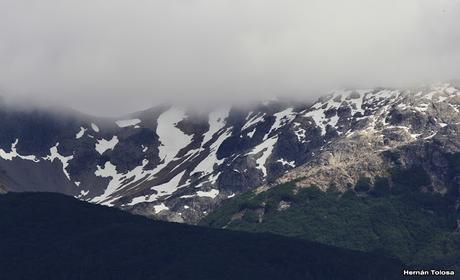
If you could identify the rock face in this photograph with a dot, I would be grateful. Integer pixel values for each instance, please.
(409, 129)
(178, 165)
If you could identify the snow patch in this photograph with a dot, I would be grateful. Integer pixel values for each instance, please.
(54, 154)
(14, 154)
(94, 127)
(80, 133)
(211, 194)
(82, 194)
(126, 123)
(164, 189)
(300, 132)
(104, 145)
(159, 208)
(266, 148)
(170, 186)
(252, 120)
(451, 90)
(109, 171)
(282, 118)
(285, 162)
(172, 139)
(216, 123)
(206, 166)
(251, 133)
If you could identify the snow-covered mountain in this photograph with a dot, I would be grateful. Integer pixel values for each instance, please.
(178, 165)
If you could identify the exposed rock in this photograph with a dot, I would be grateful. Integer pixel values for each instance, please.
(283, 205)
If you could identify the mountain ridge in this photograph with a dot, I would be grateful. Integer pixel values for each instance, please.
(175, 165)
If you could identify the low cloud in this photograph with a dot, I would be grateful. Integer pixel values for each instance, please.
(113, 57)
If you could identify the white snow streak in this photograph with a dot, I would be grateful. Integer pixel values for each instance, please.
(159, 208)
(206, 166)
(252, 120)
(251, 133)
(109, 171)
(14, 154)
(94, 127)
(285, 162)
(172, 138)
(80, 133)
(266, 148)
(211, 194)
(164, 189)
(126, 123)
(282, 118)
(54, 154)
(216, 122)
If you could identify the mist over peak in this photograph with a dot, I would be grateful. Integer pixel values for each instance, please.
(118, 57)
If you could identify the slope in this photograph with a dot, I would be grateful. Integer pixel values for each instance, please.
(51, 236)
(390, 216)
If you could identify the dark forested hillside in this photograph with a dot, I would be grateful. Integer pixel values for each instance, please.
(51, 236)
(394, 216)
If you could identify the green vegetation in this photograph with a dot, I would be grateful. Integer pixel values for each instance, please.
(394, 218)
(364, 184)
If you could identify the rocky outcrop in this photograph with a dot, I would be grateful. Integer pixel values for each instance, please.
(413, 130)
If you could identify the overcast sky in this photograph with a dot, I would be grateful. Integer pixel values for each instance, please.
(116, 56)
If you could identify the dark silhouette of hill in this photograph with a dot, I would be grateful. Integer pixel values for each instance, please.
(52, 236)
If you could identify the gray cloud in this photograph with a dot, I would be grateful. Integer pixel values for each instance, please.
(116, 56)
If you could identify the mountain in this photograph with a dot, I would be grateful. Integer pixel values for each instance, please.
(52, 236)
(179, 165)
(418, 228)
(390, 185)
